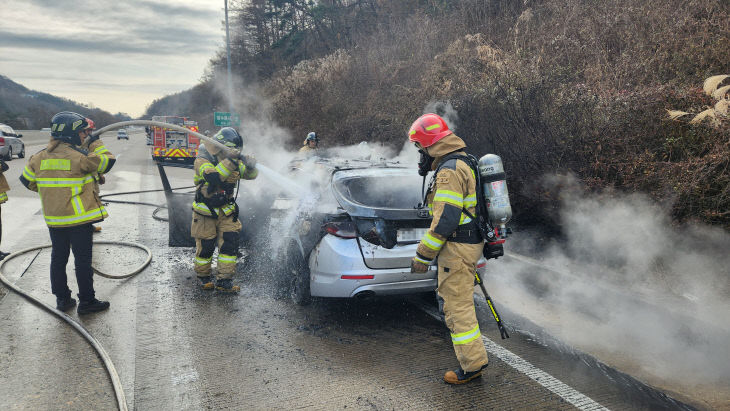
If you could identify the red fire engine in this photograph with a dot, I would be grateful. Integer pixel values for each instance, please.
(170, 144)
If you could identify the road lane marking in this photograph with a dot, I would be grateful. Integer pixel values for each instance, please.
(564, 391)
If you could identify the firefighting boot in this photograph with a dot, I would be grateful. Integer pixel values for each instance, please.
(226, 285)
(460, 376)
(206, 283)
(92, 306)
(65, 304)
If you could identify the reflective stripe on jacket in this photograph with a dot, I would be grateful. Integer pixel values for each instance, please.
(4, 187)
(230, 171)
(63, 176)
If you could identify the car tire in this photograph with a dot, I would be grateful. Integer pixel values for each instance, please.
(298, 271)
(9, 156)
(22, 152)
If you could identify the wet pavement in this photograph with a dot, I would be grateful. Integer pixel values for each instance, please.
(178, 347)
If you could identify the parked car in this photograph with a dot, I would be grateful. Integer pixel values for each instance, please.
(10, 143)
(356, 234)
(122, 134)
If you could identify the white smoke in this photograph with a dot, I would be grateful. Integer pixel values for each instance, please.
(628, 286)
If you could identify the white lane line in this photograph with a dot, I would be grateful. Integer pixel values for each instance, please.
(564, 391)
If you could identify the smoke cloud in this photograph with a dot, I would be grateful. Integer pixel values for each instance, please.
(627, 286)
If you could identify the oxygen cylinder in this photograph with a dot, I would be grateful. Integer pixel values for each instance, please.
(491, 172)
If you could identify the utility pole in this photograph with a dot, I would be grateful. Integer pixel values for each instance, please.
(228, 59)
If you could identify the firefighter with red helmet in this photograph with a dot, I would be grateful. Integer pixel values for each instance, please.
(63, 175)
(215, 212)
(93, 144)
(453, 237)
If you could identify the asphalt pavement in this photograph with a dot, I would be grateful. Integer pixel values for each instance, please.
(178, 347)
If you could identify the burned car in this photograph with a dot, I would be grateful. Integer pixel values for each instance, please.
(357, 235)
(346, 228)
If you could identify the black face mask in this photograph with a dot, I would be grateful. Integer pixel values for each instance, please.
(424, 164)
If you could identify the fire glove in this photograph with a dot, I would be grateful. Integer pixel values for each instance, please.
(102, 179)
(249, 161)
(418, 267)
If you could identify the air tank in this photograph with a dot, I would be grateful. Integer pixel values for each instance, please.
(494, 184)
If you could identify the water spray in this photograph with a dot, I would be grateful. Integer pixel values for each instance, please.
(285, 183)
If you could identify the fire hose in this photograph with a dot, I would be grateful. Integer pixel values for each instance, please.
(106, 359)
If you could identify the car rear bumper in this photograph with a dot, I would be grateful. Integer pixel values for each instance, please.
(336, 257)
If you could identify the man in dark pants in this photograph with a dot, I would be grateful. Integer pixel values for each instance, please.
(4, 187)
(63, 175)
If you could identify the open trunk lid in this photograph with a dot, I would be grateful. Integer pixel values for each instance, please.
(383, 203)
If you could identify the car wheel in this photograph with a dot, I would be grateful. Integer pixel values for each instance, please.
(22, 152)
(298, 272)
(9, 156)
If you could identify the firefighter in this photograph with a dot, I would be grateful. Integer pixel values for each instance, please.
(454, 238)
(215, 212)
(310, 143)
(93, 144)
(4, 188)
(63, 175)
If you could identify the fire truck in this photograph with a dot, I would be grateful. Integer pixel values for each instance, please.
(173, 145)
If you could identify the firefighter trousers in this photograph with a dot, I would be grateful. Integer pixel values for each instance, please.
(456, 267)
(63, 241)
(209, 232)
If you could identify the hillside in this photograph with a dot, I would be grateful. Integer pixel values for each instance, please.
(572, 88)
(23, 108)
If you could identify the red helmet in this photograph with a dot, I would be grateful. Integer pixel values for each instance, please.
(428, 129)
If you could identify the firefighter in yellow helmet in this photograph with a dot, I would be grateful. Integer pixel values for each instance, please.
(63, 175)
(4, 188)
(310, 143)
(454, 238)
(215, 212)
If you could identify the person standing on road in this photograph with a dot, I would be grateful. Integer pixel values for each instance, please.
(215, 212)
(63, 175)
(93, 144)
(310, 144)
(454, 238)
(4, 188)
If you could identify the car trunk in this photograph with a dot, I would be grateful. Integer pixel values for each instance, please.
(383, 203)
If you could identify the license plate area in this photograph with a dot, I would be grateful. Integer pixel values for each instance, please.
(410, 235)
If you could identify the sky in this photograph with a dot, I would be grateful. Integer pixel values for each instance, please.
(115, 55)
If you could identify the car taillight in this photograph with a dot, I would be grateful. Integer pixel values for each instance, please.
(2, 141)
(482, 265)
(342, 229)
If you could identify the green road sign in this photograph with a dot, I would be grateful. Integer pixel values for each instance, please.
(226, 119)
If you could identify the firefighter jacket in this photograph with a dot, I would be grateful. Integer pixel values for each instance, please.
(63, 176)
(4, 187)
(453, 191)
(98, 147)
(216, 180)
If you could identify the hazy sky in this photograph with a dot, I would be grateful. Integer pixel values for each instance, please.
(116, 55)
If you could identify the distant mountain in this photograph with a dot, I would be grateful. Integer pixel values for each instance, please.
(23, 108)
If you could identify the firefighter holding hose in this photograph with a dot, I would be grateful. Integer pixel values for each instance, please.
(454, 237)
(93, 144)
(215, 212)
(63, 175)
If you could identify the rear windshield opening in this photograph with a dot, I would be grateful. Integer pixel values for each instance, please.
(399, 192)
